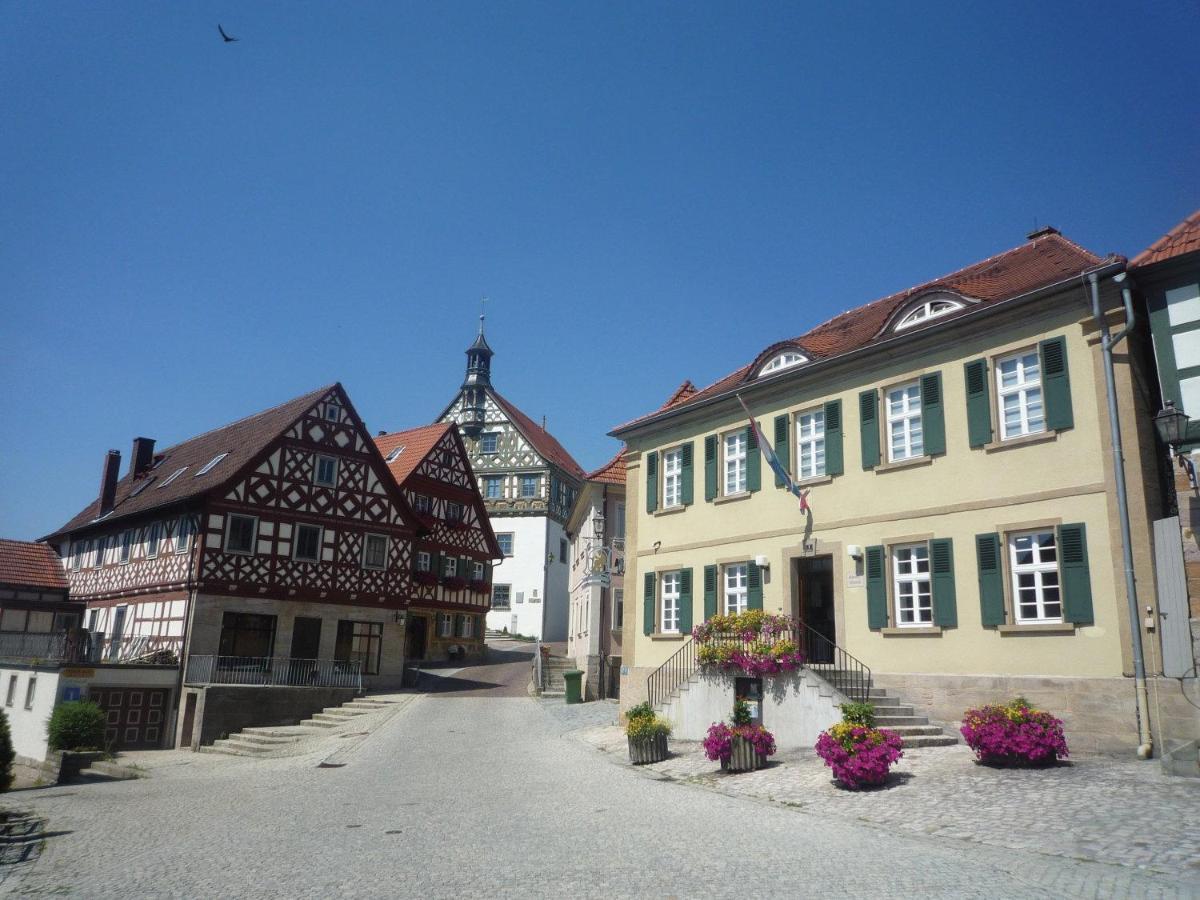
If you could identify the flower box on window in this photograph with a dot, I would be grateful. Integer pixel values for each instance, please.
(426, 578)
(752, 642)
(457, 524)
(480, 586)
(426, 521)
(454, 582)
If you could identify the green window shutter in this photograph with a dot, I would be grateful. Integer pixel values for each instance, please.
(833, 438)
(651, 481)
(686, 493)
(941, 567)
(435, 563)
(877, 612)
(753, 461)
(753, 587)
(685, 601)
(464, 567)
(648, 604)
(781, 446)
(710, 467)
(710, 592)
(1076, 577)
(991, 579)
(933, 419)
(979, 403)
(868, 420)
(1056, 384)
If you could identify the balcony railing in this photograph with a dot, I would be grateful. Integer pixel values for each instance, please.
(274, 671)
(81, 647)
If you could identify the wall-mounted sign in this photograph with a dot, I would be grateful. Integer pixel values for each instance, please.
(78, 673)
(856, 581)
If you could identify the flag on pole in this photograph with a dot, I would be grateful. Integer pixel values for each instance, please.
(777, 467)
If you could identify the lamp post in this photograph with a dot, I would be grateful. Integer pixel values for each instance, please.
(1171, 425)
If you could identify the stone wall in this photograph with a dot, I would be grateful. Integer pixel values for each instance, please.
(222, 709)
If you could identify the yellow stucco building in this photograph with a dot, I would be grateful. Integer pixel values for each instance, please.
(962, 538)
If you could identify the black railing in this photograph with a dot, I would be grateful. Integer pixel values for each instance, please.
(274, 671)
(843, 671)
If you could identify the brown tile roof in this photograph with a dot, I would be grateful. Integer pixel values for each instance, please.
(34, 565)
(242, 441)
(416, 444)
(1040, 262)
(612, 472)
(1183, 238)
(542, 441)
(681, 393)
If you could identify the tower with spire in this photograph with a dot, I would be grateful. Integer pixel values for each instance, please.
(475, 385)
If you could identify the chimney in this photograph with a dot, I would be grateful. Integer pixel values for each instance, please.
(142, 456)
(1042, 232)
(108, 480)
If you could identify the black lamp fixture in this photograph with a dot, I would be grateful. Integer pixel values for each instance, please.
(1171, 424)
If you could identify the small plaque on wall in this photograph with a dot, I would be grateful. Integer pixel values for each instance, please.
(856, 581)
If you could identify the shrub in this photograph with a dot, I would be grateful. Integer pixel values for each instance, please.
(7, 754)
(76, 725)
(644, 728)
(1014, 734)
(858, 714)
(642, 711)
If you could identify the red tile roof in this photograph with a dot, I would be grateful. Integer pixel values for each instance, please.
(542, 441)
(1183, 238)
(30, 565)
(242, 440)
(1040, 262)
(612, 472)
(416, 444)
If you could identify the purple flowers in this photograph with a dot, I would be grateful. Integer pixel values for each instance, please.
(719, 743)
(859, 756)
(752, 642)
(1014, 734)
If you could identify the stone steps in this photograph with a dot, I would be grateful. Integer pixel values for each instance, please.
(917, 741)
(894, 722)
(263, 740)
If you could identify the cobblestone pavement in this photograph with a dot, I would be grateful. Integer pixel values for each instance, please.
(1098, 809)
(487, 796)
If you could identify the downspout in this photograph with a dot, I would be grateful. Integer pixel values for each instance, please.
(1107, 342)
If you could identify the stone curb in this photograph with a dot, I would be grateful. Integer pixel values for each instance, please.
(342, 754)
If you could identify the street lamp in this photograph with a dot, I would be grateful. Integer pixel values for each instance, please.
(1171, 425)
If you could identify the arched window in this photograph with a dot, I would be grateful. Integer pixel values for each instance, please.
(930, 309)
(784, 360)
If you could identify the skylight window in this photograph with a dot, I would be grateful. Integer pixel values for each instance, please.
(173, 476)
(784, 360)
(930, 309)
(208, 466)
(391, 457)
(141, 487)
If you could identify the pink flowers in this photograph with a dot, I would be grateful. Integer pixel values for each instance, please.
(719, 743)
(752, 641)
(859, 756)
(1014, 734)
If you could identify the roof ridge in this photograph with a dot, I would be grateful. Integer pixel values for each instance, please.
(524, 422)
(407, 431)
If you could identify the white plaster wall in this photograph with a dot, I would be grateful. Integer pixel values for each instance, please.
(796, 707)
(525, 572)
(28, 726)
(558, 600)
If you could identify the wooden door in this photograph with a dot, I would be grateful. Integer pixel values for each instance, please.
(135, 718)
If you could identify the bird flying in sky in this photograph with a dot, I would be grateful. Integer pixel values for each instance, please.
(227, 38)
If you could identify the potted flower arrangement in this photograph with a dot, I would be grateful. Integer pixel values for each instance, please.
(859, 754)
(1014, 734)
(480, 586)
(429, 579)
(647, 735)
(742, 746)
(454, 582)
(752, 642)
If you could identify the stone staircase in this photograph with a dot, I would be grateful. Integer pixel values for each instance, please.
(552, 674)
(895, 715)
(278, 740)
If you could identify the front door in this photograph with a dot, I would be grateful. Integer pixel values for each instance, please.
(814, 608)
(414, 637)
(306, 647)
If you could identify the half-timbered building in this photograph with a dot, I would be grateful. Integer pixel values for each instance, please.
(529, 484)
(454, 547)
(272, 551)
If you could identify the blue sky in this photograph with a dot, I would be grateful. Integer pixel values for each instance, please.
(194, 231)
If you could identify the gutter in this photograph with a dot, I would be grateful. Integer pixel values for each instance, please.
(1103, 270)
(1107, 342)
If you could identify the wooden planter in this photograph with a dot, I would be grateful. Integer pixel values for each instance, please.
(650, 750)
(743, 758)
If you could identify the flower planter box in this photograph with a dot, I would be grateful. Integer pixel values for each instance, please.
(429, 579)
(744, 757)
(651, 750)
(480, 587)
(454, 583)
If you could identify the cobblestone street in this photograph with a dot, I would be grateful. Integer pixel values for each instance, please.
(475, 793)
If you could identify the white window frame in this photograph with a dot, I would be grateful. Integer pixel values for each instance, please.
(208, 466)
(618, 608)
(366, 548)
(507, 604)
(80, 548)
(735, 585)
(1039, 570)
(445, 625)
(1026, 392)
(173, 476)
(810, 443)
(734, 449)
(325, 458)
(11, 698)
(101, 546)
(466, 627)
(537, 485)
(512, 542)
(669, 602)
(229, 534)
(495, 446)
(183, 534)
(455, 512)
(618, 528)
(450, 566)
(672, 481)
(490, 481)
(784, 360)
(333, 412)
(125, 551)
(930, 309)
(296, 542)
(30, 691)
(911, 584)
(394, 454)
(422, 504)
(153, 539)
(477, 571)
(902, 406)
(424, 560)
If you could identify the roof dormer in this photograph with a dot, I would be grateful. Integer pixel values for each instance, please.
(778, 357)
(922, 309)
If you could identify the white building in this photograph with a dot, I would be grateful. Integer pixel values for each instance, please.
(529, 483)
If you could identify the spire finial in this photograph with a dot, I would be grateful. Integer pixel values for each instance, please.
(482, 301)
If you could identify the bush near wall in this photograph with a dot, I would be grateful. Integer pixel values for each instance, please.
(76, 725)
(7, 754)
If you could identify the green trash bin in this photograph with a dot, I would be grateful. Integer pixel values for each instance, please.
(574, 682)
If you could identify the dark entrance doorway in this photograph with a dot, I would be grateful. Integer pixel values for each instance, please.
(814, 607)
(306, 638)
(414, 637)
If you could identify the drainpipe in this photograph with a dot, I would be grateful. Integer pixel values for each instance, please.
(1107, 342)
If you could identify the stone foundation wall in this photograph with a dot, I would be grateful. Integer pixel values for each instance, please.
(222, 709)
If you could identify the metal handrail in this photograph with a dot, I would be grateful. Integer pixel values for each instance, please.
(678, 668)
(274, 671)
(539, 674)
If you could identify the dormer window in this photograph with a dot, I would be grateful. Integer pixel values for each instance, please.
(784, 360)
(930, 309)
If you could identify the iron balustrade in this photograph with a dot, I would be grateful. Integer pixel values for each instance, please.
(84, 647)
(842, 670)
(274, 671)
